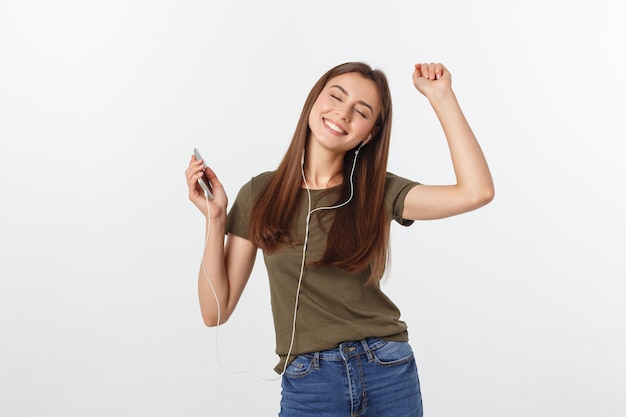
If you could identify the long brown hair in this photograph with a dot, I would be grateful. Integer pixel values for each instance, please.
(359, 235)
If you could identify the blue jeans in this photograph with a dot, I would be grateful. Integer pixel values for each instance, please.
(367, 378)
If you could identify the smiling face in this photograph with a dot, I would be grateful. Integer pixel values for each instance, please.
(345, 112)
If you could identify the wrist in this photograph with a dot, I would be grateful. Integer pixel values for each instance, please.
(216, 216)
(440, 95)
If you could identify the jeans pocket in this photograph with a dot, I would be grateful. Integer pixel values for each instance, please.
(393, 353)
(300, 367)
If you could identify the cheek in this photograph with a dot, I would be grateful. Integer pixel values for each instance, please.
(316, 109)
(364, 126)
(320, 105)
(312, 116)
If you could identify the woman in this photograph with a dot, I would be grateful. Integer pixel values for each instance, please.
(322, 220)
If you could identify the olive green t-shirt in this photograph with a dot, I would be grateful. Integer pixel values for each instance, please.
(334, 306)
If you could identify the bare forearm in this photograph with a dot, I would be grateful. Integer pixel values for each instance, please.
(470, 167)
(225, 268)
(473, 187)
(213, 277)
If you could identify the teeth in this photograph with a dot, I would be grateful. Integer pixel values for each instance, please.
(334, 127)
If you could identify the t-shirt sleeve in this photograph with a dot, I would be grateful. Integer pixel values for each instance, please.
(396, 189)
(238, 219)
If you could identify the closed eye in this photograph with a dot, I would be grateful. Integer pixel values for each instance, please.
(343, 91)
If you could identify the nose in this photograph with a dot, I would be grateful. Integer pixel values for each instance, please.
(343, 112)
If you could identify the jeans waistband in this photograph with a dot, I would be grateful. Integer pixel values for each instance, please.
(349, 349)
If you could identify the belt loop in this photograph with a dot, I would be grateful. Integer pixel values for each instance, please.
(316, 360)
(370, 355)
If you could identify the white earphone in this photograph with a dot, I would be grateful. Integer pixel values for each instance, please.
(310, 211)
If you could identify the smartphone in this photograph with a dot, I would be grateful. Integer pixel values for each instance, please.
(204, 182)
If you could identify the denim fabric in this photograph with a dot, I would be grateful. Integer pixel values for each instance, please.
(367, 378)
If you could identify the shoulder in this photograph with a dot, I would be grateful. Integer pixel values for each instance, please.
(241, 208)
(260, 181)
(396, 190)
(256, 184)
(395, 183)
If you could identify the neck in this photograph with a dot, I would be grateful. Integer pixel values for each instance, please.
(323, 169)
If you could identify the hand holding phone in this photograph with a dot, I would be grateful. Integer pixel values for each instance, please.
(204, 182)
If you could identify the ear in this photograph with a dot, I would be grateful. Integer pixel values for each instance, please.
(371, 135)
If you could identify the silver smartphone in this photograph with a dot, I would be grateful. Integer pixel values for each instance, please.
(204, 182)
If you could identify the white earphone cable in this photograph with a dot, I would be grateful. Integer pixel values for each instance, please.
(302, 265)
(306, 239)
(217, 302)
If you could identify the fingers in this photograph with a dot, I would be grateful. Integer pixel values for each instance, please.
(193, 173)
(210, 174)
(429, 71)
(196, 169)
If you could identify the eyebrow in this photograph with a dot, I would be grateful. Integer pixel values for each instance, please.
(343, 90)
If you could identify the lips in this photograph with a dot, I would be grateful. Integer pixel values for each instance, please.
(334, 127)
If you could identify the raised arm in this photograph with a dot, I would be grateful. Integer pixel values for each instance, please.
(474, 186)
(227, 266)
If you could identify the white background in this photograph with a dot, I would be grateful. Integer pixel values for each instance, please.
(516, 309)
